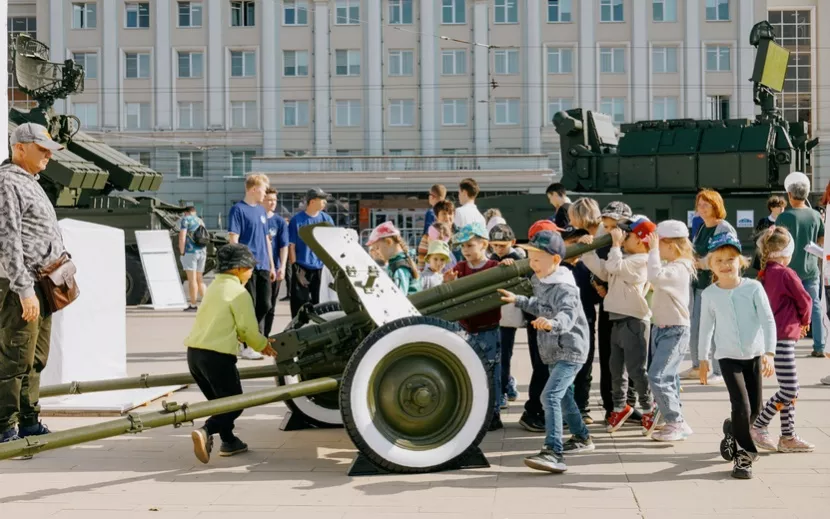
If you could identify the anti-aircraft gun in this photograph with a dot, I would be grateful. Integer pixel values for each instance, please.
(414, 394)
(89, 180)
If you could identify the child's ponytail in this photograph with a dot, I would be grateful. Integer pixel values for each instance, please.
(771, 243)
(413, 267)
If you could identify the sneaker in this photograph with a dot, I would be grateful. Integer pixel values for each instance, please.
(817, 354)
(10, 436)
(237, 446)
(249, 354)
(530, 423)
(512, 391)
(503, 402)
(826, 380)
(202, 444)
(649, 422)
(794, 444)
(586, 418)
(714, 380)
(728, 445)
(636, 415)
(617, 419)
(548, 461)
(690, 374)
(33, 430)
(762, 439)
(743, 465)
(190, 308)
(496, 424)
(575, 444)
(672, 432)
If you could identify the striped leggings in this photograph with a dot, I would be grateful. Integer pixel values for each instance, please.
(784, 399)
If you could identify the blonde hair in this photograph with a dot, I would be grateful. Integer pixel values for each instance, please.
(744, 261)
(773, 239)
(410, 263)
(255, 179)
(491, 213)
(684, 249)
(586, 210)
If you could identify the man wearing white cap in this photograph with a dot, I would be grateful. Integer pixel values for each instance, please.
(805, 226)
(30, 239)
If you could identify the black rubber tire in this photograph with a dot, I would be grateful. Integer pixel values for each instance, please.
(138, 291)
(348, 381)
(321, 309)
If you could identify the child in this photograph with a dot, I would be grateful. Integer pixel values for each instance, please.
(562, 331)
(400, 265)
(629, 313)
(442, 228)
(225, 317)
(791, 306)
(775, 205)
(484, 327)
(437, 258)
(736, 320)
(502, 241)
(670, 339)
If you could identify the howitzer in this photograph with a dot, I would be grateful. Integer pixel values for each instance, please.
(415, 394)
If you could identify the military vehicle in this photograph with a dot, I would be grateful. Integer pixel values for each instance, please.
(89, 180)
(657, 167)
(414, 395)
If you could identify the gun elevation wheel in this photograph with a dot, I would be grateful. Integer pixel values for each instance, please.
(321, 410)
(416, 396)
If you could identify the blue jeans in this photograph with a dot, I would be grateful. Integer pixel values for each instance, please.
(488, 343)
(558, 401)
(694, 334)
(812, 286)
(669, 348)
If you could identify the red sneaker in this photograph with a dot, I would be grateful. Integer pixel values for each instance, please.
(617, 419)
(650, 422)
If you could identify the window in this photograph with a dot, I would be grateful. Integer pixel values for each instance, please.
(191, 115)
(612, 60)
(558, 104)
(140, 156)
(507, 111)
(560, 60)
(401, 112)
(137, 65)
(88, 60)
(294, 13)
(296, 153)
(453, 11)
(348, 12)
(506, 11)
(796, 30)
(241, 162)
(611, 10)
(717, 10)
(402, 153)
(718, 107)
(400, 12)
(508, 151)
(294, 63)
(191, 164)
(242, 14)
(664, 108)
(615, 107)
(664, 10)
(137, 115)
(401, 62)
(348, 113)
(87, 113)
(138, 15)
(190, 14)
(347, 62)
(559, 11)
(190, 64)
(718, 58)
(507, 62)
(19, 25)
(454, 112)
(453, 151)
(243, 63)
(295, 113)
(453, 62)
(243, 115)
(664, 60)
(84, 15)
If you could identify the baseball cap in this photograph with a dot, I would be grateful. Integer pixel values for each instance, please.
(547, 241)
(724, 239)
(501, 233)
(640, 226)
(438, 248)
(617, 211)
(314, 193)
(541, 225)
(672, 229)
(494, 221)
(470, 231)
(570, 232)
(796, 177)
(384, 230)
(36, 133)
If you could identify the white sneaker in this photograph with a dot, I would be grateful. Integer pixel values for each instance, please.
(714, 380)
(690, 374)
(249, 354)
(826, 380)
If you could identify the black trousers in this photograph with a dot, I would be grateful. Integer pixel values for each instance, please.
(604, 347)
(508, 339)
(259, 286)
(745, 386)
(268, 321)
(217, 377)
(304, 288)
(583, 380)
(539, 375)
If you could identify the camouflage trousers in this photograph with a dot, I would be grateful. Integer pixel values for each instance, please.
(24, 349)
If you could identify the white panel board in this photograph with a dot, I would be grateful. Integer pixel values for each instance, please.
(160, 269)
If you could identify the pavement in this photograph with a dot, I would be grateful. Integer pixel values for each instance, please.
(302, 474)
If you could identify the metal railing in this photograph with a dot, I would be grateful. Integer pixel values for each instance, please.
(402, 163)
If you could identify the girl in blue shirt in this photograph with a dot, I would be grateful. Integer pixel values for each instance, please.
(389, 245)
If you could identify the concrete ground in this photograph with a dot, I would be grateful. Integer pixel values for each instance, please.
(302, 474)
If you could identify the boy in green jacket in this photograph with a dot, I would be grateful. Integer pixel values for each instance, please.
(225, 318)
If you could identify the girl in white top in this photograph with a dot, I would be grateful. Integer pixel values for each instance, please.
(670, 333)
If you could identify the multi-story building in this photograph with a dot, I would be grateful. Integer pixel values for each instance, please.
(375, 100)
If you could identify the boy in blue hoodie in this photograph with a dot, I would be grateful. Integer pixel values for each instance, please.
(562, 331)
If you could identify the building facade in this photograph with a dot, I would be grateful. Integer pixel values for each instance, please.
(376, 99)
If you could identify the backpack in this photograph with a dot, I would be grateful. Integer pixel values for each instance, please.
(200, 237)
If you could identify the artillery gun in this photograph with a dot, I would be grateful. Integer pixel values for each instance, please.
(89, 180)
(414, 393)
